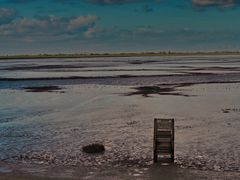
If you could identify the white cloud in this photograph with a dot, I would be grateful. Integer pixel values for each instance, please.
(90, 32)
(50, 26)
(222, 3)
(82, 22)
(7, 15)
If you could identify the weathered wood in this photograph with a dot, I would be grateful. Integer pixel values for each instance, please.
(173, 138)
(155, 156)
(163, 140)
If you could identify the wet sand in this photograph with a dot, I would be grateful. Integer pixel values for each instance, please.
(43, 130)
(153, 172)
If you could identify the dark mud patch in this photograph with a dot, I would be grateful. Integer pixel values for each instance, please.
(51, 67)
(141, 62)
(172, 89)
(197, 73)
(214, 78)
(213, 68)
(183, 127)
(132, 123)
(43, 89)
(147, 91)
(229, 110)
(16, 68)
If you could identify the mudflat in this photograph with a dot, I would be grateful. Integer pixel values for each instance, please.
(50, 112)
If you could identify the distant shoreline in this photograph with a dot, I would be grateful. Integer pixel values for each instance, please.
(96, 55)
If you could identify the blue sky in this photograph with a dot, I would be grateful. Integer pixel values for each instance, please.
(76, 26)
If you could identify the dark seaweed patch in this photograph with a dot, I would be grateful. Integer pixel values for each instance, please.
(146, 91)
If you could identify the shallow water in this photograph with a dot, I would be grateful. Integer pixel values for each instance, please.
(51, 127)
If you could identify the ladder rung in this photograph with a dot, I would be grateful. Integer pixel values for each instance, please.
(164, 129)
(163, 151)
(164, 144)
(164, 132)
(164, 135)
(165, 154)
(167, 149)
(162, 139)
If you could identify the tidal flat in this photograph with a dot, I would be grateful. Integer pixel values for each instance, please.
(51, 108)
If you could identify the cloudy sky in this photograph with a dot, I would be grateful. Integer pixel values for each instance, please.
(75, 26)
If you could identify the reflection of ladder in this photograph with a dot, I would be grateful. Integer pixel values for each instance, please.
(163, 142)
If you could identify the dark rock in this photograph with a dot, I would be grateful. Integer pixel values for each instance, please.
(93, 148)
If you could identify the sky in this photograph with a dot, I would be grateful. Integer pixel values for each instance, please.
(80, 26)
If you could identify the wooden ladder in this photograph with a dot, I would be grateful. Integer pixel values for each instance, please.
(163, 141)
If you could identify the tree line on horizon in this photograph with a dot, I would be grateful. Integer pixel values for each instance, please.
(91, 54)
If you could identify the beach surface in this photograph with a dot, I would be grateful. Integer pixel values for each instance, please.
(51, 108)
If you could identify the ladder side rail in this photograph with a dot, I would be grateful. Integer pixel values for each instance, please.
(172, 140)
(155, 156)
